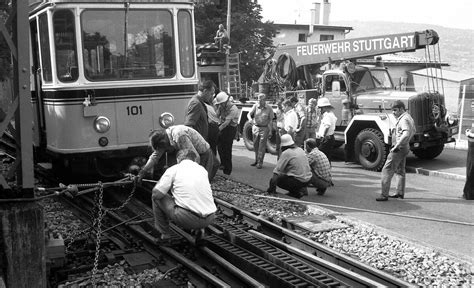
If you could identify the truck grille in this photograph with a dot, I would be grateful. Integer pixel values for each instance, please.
(427, 110)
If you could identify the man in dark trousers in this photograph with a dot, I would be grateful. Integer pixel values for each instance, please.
(228, 114)
(320, 166)
(396, 159)
(469, 185)
(196, 111)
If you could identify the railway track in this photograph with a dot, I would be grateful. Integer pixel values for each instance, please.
(240, 250)
(7, 145)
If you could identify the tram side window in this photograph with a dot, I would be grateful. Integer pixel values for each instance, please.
(186, 55)
(65, 45)
(46, 70)
(147, 51)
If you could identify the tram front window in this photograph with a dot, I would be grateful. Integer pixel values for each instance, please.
(128, 44)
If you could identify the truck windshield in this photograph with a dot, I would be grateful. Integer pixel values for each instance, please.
(128, 44)
(381, 79)
(363, 80)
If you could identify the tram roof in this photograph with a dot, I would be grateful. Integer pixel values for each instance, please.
(35, 3)
(40, 4)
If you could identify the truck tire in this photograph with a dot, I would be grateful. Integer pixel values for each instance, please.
(429, 153)
(247, 135)
(370, 150)
(271, 143)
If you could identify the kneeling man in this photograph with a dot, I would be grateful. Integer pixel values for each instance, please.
(191, 204)
(320, 166)
(292, 171)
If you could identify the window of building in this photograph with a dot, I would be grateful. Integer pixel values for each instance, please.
(302, 37)
(326, 37)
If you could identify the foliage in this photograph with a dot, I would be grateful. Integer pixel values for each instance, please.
(249, 36)
(5, 54)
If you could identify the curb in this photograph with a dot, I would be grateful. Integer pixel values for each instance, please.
(426, 172)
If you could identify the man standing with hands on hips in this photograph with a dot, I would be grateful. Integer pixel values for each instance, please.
(396, 160)
(261, 116)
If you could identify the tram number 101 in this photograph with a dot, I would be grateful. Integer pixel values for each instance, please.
(134, 110)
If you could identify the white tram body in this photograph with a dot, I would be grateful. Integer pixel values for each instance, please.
(106, 73)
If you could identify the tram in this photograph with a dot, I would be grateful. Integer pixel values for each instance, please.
(106, 73)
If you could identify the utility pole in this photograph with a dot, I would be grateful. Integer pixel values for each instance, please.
(228, 18)
(21, 217)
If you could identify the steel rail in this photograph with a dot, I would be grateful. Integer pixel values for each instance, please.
(269, 228)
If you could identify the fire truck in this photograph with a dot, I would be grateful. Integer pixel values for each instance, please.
(362, 95)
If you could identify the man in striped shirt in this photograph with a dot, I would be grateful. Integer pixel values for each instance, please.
(311, 119)
(321, 177)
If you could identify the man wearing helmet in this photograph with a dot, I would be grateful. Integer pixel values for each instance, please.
(292, 171)
(327, 127)
(228, 114)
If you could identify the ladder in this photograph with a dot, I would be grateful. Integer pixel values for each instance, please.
(232, 77)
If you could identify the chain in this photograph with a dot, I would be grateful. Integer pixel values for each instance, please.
(125, 202)
(98, 196)
(100, 215)
(73, 237)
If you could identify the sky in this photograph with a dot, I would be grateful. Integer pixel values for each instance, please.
(447, 13)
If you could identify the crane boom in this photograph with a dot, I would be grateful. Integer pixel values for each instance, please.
(338, 50)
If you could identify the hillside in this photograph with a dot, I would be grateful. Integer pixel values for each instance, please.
(456, 45)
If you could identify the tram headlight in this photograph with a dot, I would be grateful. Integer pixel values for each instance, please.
(166, 120)
(101, 124)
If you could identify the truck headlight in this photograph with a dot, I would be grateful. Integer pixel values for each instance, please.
(101, 124)
(166, 120)
(452, 119)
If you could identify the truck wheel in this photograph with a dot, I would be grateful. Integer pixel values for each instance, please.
(429, 153)
(247, 135)
(271, 143)
(370, 149)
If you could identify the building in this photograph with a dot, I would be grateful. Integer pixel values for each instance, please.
(317, 29)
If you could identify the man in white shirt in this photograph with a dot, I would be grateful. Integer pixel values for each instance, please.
(191, 204)
(327, 126)
(290, 119)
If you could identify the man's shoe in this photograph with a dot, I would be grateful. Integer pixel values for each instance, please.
(271, 192)
(396, 196)
(259, 166)
(163, 240)
(304, 191)
(381, 198)
(254, 164)
(321, 191)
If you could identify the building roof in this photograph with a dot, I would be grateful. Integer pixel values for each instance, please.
(444, 74)
(400, 59)
(315, 26)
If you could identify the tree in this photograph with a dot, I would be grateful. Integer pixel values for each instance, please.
(249, 36)
(5, 53)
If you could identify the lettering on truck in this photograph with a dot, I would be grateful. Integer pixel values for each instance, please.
(319, 52)
(363, 45)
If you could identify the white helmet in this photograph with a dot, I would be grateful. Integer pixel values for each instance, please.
(323, 102)
(221, 97)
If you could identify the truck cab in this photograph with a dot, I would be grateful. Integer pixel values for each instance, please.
(366, 123)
